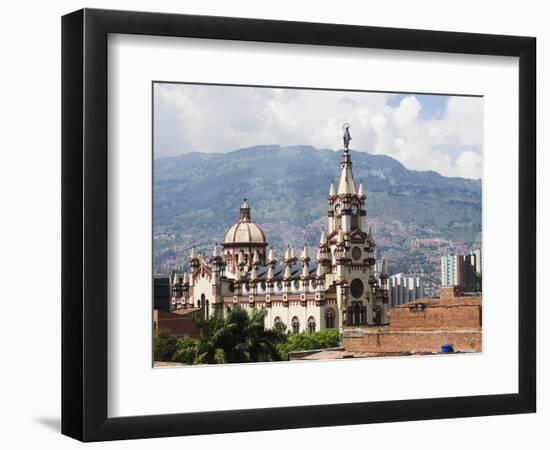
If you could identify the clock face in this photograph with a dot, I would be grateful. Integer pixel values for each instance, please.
(354, 210)
(338, 209)
(356, 253)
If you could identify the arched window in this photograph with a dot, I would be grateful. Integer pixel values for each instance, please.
(354, 314)
(277, 321)
(311, 324)
(295, 325)
(329, 318)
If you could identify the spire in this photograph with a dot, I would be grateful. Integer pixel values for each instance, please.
(271, 255)
(347, 183)
(245, 211)
(332, 190)
(292, 252)
(270, 274)
(287, 253)
(253, 274)
(193, 253)
(176, 279)
(256, 258)
(305, 271)
(305, 253)
(323, 240)
(361, 191)
(216, 251)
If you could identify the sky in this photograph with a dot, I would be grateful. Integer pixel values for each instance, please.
(423, 132)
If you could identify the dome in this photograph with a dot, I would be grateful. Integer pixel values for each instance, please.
(245, 231)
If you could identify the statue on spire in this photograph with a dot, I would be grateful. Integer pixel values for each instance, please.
(347, 136)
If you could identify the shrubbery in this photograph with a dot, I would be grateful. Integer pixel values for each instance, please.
(309, 341)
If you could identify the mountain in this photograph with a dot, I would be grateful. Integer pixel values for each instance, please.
(197, 197)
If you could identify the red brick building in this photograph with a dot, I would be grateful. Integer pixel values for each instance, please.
(424, 326)
(177, 323)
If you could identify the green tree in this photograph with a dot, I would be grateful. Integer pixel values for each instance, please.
(236, 338)
(327, 338)
(164, 345)
(186, 350)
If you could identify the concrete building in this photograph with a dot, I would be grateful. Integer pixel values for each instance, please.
(404, 288)
(479, 261)
(333, 290)
(459, 270)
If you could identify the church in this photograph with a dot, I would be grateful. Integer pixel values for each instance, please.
(335, 288)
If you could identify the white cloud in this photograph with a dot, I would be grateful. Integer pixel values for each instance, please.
(220, 119)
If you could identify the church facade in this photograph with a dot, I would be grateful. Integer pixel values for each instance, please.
(335, 288)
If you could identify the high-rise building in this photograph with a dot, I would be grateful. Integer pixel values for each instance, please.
(479, 261)
(459, 270)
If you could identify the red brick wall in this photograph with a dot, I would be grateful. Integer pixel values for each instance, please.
(378, 341)
(424, 326)
(433, 317)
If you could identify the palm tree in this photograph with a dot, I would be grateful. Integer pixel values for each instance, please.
(236, 338)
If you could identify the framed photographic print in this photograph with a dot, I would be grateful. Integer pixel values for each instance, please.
(273, 224)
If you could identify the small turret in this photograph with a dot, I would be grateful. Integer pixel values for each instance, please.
(271, 256)
(332, 190)
(361, 191)
(323, 241)
(270, 274)
(287, 254)
(194, 260)
(305, 254)
(256, 259)
(288, 273)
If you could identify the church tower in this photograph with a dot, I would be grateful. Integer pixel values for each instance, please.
(360, 297)
(346, 204)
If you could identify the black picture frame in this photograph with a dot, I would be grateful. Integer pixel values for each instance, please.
(84, 224)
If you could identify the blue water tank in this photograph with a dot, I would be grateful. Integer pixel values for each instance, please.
(447, 348)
